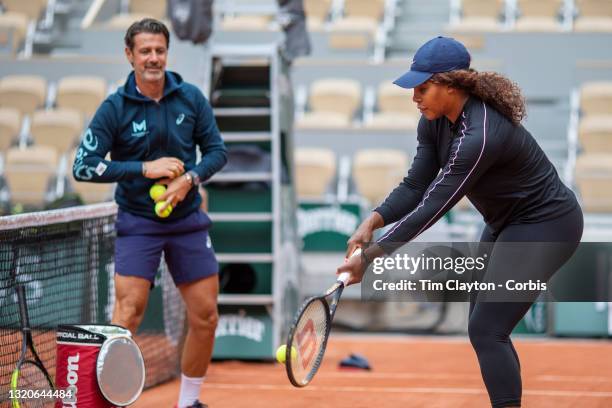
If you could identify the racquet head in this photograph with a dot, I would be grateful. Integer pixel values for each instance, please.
(309, 332)
(308, 337)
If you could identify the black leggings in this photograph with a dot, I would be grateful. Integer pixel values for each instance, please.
(490, 323)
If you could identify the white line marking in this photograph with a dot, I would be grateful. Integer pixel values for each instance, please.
(415, 375)
(404, 390)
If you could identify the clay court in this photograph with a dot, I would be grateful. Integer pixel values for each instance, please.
(432, 372)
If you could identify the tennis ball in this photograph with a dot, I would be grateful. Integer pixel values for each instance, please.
(282, 351)
(166, 212)
(156, 191)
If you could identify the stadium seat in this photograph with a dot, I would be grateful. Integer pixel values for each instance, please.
(392, 98)
(596, 98)
(395, 109)
(392, 121)
(464, 205)
(31, 8)
(470, 31)
(482, 8)
(595, 134)
(538, 24)
(593, 179)
(364, 8)
(58, 128)
(317, 9)
(335, 95)
(28, 173)
(539, 8)
(23, 92)
(593, 24)
(10, 125)
(246, 22)
(83, 93)
(90, 193)
(315, 24)
(353, 33)
(114, 86)
(378, 171)
(323, 120)
(18, 24)
(594, 8)
(315, 170)
(152, 8)
(124, 21)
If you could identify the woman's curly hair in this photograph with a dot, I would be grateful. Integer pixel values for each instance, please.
(493, 88)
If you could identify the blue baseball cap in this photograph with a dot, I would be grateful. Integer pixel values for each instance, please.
(441, 54)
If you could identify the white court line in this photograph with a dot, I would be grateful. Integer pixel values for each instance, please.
(417, 375)
(366, 375)
(417, 338)
(404, 390)
(569, 378)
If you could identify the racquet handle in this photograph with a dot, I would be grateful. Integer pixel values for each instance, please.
(23, 308)
(344, 276)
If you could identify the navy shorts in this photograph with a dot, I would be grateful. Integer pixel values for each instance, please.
(185, 243)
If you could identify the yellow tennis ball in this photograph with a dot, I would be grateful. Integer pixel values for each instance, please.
(166, 212)
(156, 191)
(282, 351)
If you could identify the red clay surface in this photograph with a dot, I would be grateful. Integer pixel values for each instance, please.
(410, 372)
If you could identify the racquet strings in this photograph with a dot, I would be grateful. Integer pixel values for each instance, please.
(309, 341)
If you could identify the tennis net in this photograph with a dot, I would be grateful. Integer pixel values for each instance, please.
(64, 259)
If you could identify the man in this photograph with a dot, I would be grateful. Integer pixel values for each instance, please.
(151, 126)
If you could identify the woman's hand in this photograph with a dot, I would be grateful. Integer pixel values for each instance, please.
(354, 265)
(363, 234)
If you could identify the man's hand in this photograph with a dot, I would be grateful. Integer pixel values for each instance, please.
(169, 167)
(176, 191)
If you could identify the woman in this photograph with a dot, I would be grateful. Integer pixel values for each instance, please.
(471, 143)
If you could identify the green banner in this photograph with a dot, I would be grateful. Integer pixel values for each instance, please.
(243, 332)
(326, 227)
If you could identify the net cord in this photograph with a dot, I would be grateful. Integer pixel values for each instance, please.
(63, 215)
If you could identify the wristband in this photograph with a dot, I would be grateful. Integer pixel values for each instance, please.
(144, 169)
(189, 178)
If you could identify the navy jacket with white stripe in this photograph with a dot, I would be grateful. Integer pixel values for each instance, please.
(135, 128)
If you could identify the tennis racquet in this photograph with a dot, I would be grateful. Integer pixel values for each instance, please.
(310, 330)
(31, 385)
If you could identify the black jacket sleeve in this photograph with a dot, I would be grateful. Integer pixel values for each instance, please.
(407, 195)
